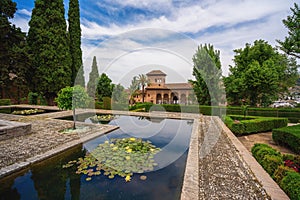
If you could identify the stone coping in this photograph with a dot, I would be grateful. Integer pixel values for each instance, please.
(5, 171)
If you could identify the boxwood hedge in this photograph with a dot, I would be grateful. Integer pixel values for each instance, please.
(241, 125)
(288, 136)
(272, 161)
(5, 102)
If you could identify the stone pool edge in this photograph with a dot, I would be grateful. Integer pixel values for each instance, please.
(6, 171)
(190, 186)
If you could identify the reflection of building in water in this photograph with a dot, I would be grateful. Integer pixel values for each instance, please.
(160, 92)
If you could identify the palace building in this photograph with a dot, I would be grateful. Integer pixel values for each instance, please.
(160, 92)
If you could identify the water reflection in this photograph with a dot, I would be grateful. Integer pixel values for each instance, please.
(48, 180)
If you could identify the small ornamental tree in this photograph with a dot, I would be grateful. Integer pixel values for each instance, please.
(70, 98)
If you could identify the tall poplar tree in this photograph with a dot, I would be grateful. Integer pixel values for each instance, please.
(75, 43)
(48, 48)
(207, 72)
(93, 79)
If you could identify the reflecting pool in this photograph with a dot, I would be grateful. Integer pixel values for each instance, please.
(48, 180)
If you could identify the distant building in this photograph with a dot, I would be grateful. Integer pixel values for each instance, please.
(160, 92)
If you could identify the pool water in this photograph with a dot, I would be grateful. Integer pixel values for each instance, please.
(48, 180)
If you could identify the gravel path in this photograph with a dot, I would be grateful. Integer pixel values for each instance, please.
(222, 173)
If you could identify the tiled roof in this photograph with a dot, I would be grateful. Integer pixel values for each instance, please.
(156, 72)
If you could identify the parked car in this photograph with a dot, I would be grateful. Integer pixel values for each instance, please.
(279, 104)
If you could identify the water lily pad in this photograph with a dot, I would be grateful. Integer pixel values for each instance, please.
(121, 157)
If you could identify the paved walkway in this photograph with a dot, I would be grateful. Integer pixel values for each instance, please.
(217, 168)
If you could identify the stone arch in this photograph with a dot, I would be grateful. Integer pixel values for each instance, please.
(182, 99)
(174, 98)
(166, 99)
(158, 98)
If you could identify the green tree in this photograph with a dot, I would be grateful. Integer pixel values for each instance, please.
(291, 44)
(133, 88)
(49, 49)
(260, 75)
(71, 98)
(104, 87)
(13, 58)
(207, 72)
(119, 95)
(75, 43)
(93, 79)
(143, 81)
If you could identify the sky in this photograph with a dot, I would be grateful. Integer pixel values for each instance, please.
(131, 37)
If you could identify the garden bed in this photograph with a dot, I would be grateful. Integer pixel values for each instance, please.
(288, 136)
(241, 125)
(283, 168)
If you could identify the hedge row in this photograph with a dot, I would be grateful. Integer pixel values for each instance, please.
(273, 162)
(288, 136)
(241, 125)
(5, 102)
(293, 114)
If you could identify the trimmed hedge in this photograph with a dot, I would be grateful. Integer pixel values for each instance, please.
(272, 161)
(288, 136)
(281, 172)
(293, 114)
(291, 185)
(106, 103)
(5, 102)
(241, 125)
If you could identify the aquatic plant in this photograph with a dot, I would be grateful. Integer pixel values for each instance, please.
(97, 118)
(118, 156)
(27, 112)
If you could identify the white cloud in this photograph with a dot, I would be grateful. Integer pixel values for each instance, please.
(195, 18)
(25, 12)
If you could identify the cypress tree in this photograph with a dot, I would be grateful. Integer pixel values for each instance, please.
(48, 48)
(93, 79)
(75, 43)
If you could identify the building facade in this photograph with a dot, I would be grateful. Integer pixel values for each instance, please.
(160, 92)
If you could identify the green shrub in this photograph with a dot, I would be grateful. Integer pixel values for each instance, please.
(291, 185)
(33, 98)
(106, 103)
(240, 125)
(288, 136)
(271, 162)
(262, 152)
(281, 172)
(120, 106)
(258, 146)
(5, 102)
(98, 105)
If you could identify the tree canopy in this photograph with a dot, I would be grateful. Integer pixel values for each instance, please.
(49, 49)
(143, 81)
(70, 98)
(119, 95)
(291, 43)
(13, 57)
(75, 43)
(104, 87)
(207, 72)
(93, 79)
(260, 75)
(134, 86)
